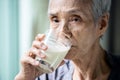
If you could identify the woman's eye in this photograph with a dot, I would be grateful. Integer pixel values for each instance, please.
(55, 19)
(76, 19)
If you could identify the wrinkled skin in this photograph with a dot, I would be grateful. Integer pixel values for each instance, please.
(29, 65)
(73, 19)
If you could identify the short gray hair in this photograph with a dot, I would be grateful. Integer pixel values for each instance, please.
(100, 7)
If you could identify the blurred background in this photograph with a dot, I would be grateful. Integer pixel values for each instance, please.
(22, 20)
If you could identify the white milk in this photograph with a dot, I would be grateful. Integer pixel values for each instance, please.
(54, 56)
(57, 49)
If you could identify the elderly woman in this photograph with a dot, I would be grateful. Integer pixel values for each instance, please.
(83, 22)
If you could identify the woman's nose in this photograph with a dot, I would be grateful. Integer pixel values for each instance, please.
(64, 29)
(63, 26)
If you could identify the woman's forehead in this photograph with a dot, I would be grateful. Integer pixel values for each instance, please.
(57, 6)
(69, 3)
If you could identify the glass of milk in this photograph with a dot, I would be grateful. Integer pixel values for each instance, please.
(57, 50)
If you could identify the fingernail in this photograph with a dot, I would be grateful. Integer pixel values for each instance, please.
(43, 46)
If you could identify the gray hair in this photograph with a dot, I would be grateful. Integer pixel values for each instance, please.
(100, 7)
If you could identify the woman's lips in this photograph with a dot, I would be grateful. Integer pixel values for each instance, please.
(73, 46)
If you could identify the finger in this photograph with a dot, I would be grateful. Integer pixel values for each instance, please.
(30, 54)
(39, 45)
(37, 52)
(40, 37)
(29, 60)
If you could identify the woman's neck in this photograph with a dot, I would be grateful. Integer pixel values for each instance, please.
(91, 67)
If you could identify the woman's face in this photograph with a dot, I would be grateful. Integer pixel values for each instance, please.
(73, 19)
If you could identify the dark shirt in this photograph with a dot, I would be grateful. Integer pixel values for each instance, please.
(114, 63)
(65, 71)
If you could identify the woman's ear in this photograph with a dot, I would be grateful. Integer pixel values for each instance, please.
(103, 24)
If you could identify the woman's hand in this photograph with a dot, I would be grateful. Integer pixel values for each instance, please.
(28, 69)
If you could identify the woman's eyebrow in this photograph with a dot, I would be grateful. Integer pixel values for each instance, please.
(73, 11)
(53, 13)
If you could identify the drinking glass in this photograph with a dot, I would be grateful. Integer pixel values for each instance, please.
(57, 50)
